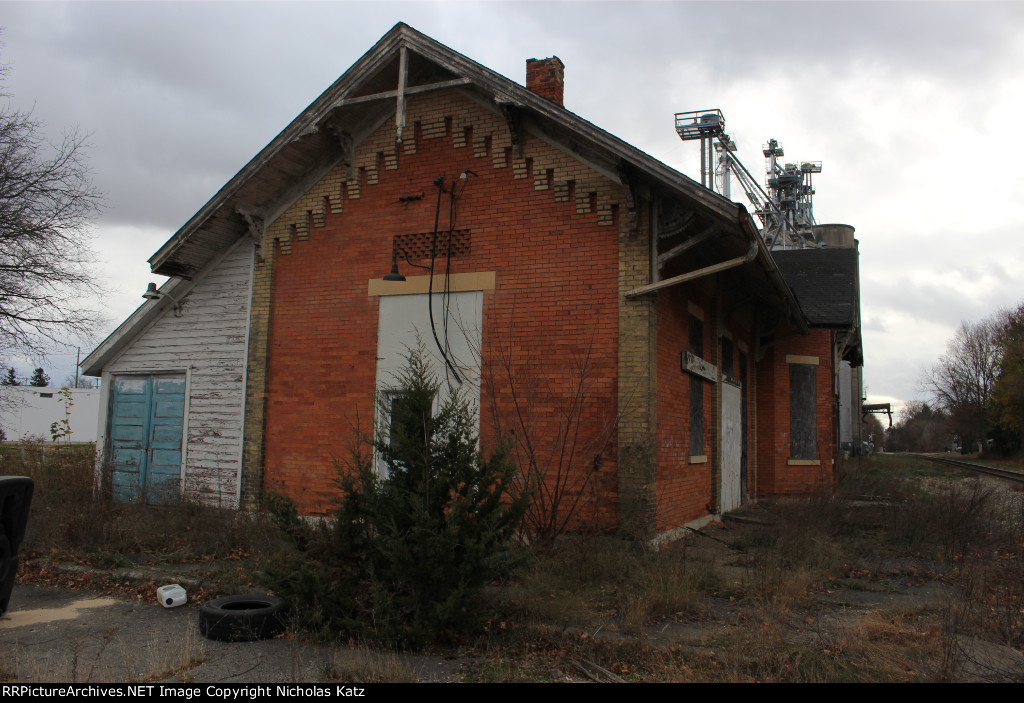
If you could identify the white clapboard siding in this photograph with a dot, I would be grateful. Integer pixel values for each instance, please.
(209, 340)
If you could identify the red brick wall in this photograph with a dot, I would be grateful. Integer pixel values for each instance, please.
(683, 489)
(686, 491)
(553, 311)
(776, 476)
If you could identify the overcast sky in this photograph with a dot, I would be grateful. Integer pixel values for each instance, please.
(914, 110)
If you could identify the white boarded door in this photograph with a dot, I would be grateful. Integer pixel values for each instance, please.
(732, 446)
(451, 345)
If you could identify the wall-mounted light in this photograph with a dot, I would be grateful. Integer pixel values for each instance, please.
(394, 275)
(153, 294)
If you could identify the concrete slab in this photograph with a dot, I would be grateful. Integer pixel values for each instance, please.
(60, 636)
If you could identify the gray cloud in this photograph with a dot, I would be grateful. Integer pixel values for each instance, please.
(894, 98)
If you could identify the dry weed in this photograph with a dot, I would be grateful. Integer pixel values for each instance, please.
(367, 665)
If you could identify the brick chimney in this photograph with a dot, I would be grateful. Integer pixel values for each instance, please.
(546, 77)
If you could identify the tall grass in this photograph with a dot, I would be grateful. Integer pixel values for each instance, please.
(69, 517)
(599, 601)
(583, 581)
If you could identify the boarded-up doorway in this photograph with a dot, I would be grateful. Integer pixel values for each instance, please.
(450, 345)
(732, 446)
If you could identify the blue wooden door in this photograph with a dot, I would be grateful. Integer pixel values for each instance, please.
(146, 420)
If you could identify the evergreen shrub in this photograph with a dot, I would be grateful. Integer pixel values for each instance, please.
(424, 522)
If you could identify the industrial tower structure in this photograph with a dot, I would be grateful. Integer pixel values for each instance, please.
(786, 208)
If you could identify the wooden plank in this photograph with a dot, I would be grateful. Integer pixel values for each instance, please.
(410, 90)
(693, 275)
(403, 78)
(691, 242)
(209, 338)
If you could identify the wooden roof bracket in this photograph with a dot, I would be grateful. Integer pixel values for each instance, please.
(671, 229)
(256, 222)
(694, 275)
(693, 241)
(345, 141)
(628, 183)
(762, 347)
(513, 118)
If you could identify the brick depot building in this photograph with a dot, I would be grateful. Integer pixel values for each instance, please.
(627, 324)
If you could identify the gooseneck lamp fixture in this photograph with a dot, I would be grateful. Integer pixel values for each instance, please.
(153, 294)
(394, 275)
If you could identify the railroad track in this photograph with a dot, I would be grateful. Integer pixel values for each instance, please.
(1016, 476)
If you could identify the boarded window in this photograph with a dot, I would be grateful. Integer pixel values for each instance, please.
(696, 390)
(727, 358)
(744, 422)
(803, 418)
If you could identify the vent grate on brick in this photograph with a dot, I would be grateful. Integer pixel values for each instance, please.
(417, 246)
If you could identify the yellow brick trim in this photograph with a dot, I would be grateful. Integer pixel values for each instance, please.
(695, 310)
(797, 359)
(457, 282)
(803, 462)
(442, 116)
(699, 459)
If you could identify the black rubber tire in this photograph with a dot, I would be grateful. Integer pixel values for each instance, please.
(242, 618)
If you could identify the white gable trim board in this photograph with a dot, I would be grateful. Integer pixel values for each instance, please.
(208, 343)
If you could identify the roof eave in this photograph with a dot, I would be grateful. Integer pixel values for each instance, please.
(304, 124)
(502, 89)
(774, 273)
(146, 314)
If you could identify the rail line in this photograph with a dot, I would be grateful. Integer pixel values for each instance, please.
(1016, 476)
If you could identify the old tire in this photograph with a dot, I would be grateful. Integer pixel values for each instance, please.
(242, 618)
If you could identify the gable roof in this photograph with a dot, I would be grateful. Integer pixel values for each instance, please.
(145, 316)
(365, 95)
(362, 99)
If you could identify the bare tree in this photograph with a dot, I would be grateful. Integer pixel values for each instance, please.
(46, 265)
(558, 416)
(962, 381)
(74, 380)
(919, 428)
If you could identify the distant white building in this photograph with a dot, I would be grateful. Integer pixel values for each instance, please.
(30, 411)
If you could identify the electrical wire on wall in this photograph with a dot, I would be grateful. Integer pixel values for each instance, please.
(454, 193)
